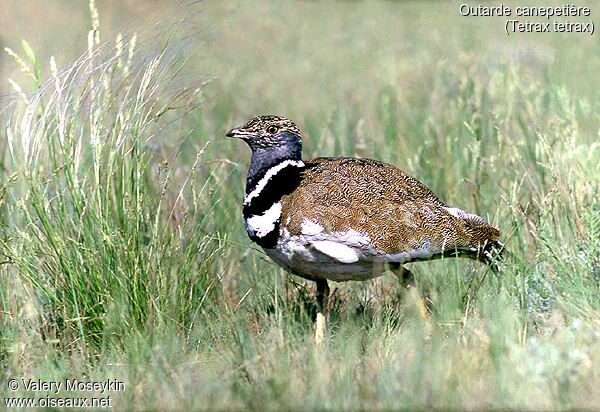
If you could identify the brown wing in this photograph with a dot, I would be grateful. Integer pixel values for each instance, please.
(396, 211)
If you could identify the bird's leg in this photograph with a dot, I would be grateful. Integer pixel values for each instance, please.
(407, 279)
(322, 298)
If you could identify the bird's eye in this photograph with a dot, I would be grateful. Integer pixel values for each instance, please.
(272, 129)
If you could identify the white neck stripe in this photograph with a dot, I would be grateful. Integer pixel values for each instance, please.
(270, 173)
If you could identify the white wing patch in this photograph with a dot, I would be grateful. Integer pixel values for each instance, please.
(262, 225)
(338, 251)
(345, 247)
(310, 228)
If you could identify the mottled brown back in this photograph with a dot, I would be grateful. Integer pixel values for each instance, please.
(397, 211)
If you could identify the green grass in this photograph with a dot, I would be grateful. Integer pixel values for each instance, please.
(123, 252)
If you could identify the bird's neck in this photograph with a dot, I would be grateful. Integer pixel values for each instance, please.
(266, 163)
(269, 179)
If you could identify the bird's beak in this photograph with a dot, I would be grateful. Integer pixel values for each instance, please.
(237, 132)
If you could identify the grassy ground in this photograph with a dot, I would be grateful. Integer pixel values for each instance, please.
(123, 253)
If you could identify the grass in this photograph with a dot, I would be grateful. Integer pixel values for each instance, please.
(122, 248)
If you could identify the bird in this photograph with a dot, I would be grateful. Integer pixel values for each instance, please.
(346, 218)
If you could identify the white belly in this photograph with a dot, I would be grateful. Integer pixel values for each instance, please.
(339, 256)
(314, 260)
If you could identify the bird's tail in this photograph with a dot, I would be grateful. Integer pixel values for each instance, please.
(492, 252)
(484, 239)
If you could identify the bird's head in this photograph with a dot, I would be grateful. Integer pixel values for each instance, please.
(270, 133)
